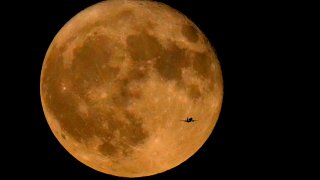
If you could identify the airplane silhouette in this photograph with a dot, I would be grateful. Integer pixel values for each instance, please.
(188, 120)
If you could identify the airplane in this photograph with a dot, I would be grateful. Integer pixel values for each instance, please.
(188, 120)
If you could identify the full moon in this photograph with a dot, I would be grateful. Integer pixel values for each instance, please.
(119, 79)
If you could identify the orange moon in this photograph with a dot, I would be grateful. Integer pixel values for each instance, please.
(117, 80)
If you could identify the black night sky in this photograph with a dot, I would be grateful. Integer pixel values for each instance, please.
(254, 136)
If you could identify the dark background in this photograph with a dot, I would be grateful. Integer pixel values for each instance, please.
(258, 133)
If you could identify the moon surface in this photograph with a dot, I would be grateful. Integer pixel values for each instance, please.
(117, 80)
